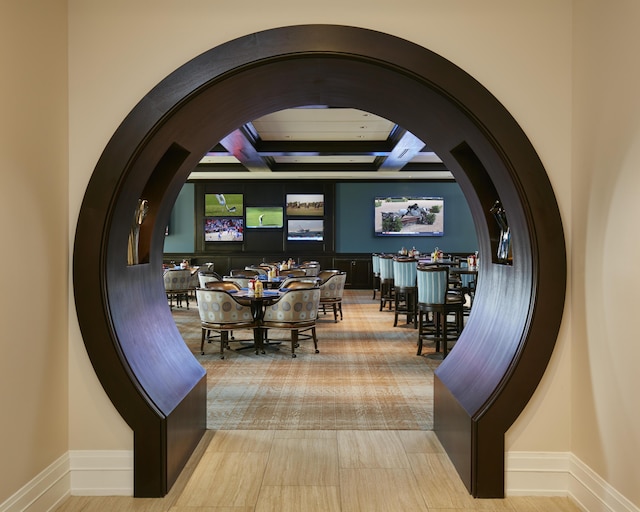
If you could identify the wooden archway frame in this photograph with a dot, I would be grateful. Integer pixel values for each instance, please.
(133, 343)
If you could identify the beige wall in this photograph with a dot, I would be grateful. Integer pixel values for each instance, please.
(33, 213)
(521, 51)
(606, 208)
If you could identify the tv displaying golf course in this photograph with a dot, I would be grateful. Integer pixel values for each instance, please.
(223, 205)
(265, 217)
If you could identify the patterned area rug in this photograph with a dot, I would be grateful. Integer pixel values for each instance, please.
(366, 377)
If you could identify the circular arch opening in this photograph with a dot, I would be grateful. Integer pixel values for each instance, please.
(133, 343)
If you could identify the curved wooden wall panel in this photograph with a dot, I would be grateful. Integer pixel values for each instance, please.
(159, 388)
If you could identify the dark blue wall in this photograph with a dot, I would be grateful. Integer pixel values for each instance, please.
(182, 223)
(354, 219)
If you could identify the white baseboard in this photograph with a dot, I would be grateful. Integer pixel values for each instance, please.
(562, 474)
(44, 492)
(101, 472)
(110, 473)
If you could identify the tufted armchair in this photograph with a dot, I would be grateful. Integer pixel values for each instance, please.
(296, 311)
(219, 311)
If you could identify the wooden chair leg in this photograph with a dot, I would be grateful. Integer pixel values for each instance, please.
(294, 342)
(224, 340)
(420, 328)
(315, 339)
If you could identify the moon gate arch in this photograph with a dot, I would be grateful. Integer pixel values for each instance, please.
(132, 341)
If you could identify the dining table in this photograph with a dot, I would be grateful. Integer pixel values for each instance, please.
(258, 303)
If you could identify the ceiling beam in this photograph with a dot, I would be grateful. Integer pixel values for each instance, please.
(238, 144)
(407, 147)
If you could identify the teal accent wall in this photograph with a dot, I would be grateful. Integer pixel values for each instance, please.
(181, 235)
(354, 218)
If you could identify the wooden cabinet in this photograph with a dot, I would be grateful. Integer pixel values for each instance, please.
(358, 271)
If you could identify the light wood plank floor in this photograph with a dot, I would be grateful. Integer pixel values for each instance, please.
(318, 470)
(352, 470)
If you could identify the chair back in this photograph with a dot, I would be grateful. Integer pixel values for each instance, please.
(432, 284)
(299, 282)
(375, 264)
(222, 285)
(404, 272)
(258, 270)
(242, 282)
(294, 306)
(203, 279)
(294, 272)
(219, 307)
(311, 268)
(326, 274)
(177, 280)
(386, 267)
(333, 287)
(468, 280)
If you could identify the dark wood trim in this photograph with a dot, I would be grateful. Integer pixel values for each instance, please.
(133, 344)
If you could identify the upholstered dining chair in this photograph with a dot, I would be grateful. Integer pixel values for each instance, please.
(386, 281)
(220, 312)
(405, 290)
(323, 275)
(177, 284)
(434, 297)
(311, 268)
(331, 292)
(297, 312)
(206, 277)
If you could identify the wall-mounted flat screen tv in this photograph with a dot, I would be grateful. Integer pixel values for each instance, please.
(305, 229)
(223, 229)
(305, 205)
(264, 217)
(409, 216)
(223, 205)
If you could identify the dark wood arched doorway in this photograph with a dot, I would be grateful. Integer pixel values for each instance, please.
(134, 346)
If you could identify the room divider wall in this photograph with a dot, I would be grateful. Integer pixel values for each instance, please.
(133, 343)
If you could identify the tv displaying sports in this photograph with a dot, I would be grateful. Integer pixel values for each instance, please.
(305, 205)
(409, 216)
(223, 205)
(264, 217)
(305, 229)
(223, 229)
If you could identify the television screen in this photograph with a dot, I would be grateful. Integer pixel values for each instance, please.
(265, 217)
(223, 205)
(305, 229)
(306, 205)
(223, 229)
(409, 216)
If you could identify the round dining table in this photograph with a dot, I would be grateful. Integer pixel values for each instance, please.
(258, 303)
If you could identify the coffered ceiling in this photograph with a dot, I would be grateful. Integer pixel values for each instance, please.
(321, 142)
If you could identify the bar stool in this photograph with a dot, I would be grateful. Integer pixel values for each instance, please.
(433, 297)
(375, 270)
(406, 290)
(386, 281)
